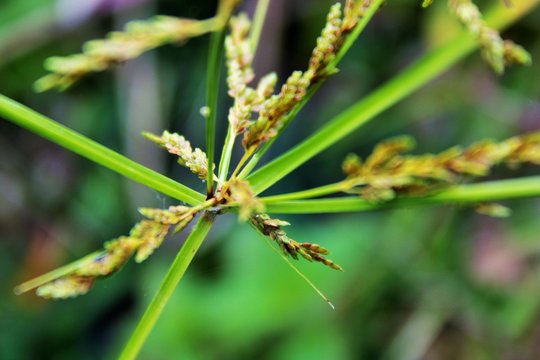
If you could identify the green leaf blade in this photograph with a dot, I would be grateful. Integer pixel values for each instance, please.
(465, 194)
(169, 284)
(80, 144)
(212, 91)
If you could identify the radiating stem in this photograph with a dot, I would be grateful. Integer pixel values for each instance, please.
(414, 77)
(212, 91)
(173, 277)
(241, 163)
(255, 35)
(464, 194)
(80, 144)
(258, 23)
(307, 194)
(226, 154)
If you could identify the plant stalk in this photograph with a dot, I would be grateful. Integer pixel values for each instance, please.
(226, 154)
(241, 163)
(80, 144)
(173, 277)
(258, 23)
(212, 91)
(255, 35)
(464, 194)
(307, 194)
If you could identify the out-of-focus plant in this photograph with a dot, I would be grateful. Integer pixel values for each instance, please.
(260, 114)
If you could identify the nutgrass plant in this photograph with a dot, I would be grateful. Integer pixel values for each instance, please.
(388, 178)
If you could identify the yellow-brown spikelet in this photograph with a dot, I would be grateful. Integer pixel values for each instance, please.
(272, 228)
(497, 52)
(118, 47)
(387, 171)
(65, 287)
(151, 234)
(237, 191)
(176, 144)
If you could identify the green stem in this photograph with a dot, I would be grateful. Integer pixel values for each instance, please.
(464, 194)
(255, 35)
(374, 6)
(306, 194)
(424, 70)
(258, 23)
(58, 273)
(226, 154)
(173, 277)
(71, 140)
(212, 90)
(242, 161)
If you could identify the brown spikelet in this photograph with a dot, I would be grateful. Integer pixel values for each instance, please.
(176, 144)
(272, 228)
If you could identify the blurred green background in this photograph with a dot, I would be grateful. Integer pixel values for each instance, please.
(431, 283)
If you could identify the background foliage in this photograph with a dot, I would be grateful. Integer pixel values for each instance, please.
(418, 283)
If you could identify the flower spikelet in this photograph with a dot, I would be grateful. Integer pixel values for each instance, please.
(117, 253)
(66, 287)
(143, 239)
(177, 145)
(339, 24)
(120, 46)
(493, 210)
(274, 110)
(178, 215)
(171, 216)
(151, 234)
(497, 52)
(272, 228)
(237, 191)
(239, 73)
(526, 149)
(329, 41)
(239, 56)
(265, 89)
(388, 170)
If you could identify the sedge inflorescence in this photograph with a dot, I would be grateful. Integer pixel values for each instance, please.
(120, 46)
(260, 114)
(389, 171)
(497, 52)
